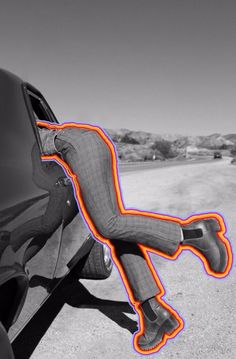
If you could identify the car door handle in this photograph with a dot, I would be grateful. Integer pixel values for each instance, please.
(63, 182)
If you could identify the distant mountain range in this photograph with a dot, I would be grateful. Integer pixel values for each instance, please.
(215, 140)
(138, 145)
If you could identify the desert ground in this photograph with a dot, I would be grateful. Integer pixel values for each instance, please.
(92, 319)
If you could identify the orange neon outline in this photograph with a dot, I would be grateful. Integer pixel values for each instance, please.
(144, 249)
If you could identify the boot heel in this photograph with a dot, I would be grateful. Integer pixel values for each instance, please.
(171, 324)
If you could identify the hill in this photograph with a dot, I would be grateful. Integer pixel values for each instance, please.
(140, 146)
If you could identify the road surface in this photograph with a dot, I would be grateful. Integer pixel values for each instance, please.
(91, 319)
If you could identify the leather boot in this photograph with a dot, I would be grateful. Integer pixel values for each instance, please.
(209, 244)
(155, 329)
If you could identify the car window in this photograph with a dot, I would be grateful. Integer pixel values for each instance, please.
(40, 109)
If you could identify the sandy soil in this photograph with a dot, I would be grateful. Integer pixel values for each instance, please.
(101, 324)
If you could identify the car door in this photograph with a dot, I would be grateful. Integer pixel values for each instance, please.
(30, 230)
(73, 231)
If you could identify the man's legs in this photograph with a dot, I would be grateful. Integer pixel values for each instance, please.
(89, 158)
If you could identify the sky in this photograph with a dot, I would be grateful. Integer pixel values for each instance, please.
(163, 66)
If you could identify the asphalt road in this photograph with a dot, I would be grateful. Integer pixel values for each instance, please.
(92, 319)
(147, 165)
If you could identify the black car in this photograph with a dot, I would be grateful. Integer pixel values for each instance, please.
(42, 235)
(217, 155)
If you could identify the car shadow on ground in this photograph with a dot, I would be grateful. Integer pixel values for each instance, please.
(73, 293)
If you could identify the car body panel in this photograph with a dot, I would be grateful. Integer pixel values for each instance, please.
(38, 214)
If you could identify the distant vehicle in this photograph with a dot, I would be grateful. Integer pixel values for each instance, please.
(217, 155)
(40, 228)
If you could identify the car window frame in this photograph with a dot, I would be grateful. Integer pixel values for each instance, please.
(29, 90)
